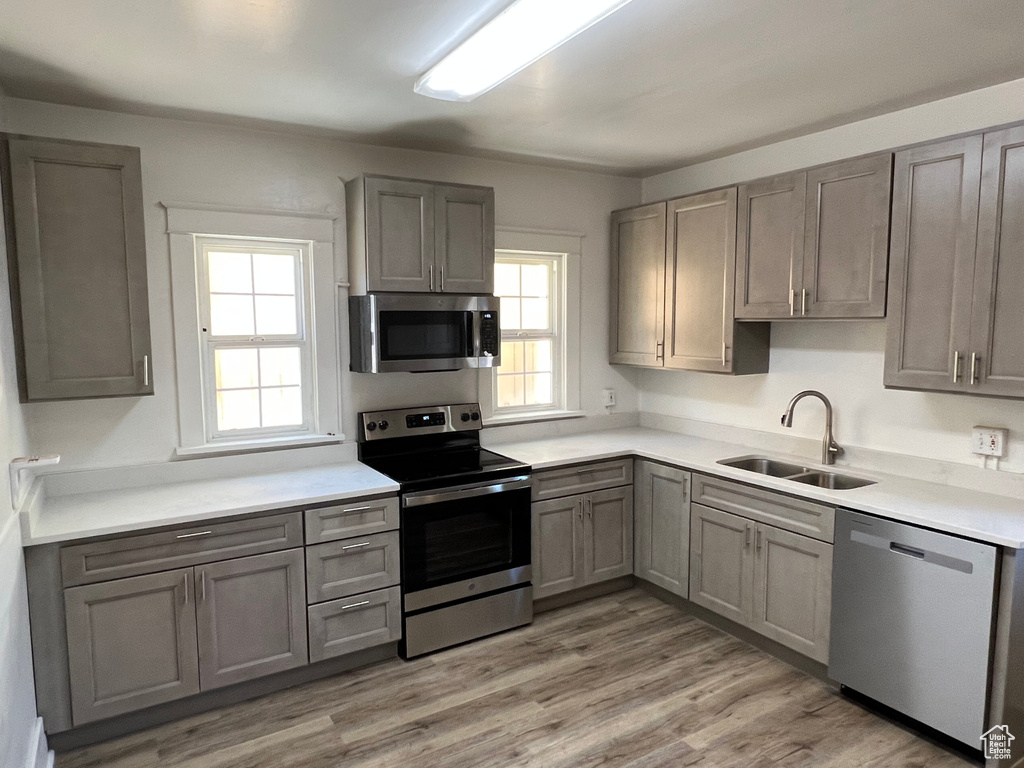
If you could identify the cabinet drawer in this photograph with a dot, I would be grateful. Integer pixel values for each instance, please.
(798, 515)
(194, 545)
(348, 567)
(357, 518)
(568, 481)
(355, 623)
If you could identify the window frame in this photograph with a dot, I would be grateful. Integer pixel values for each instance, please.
(301, 338)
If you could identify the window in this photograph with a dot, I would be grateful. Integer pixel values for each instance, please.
(528, 285)
(256, 364)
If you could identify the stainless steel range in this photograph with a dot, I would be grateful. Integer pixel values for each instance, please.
(465, 524)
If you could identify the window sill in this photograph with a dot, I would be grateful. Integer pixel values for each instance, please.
(531, 418)
(262, 444)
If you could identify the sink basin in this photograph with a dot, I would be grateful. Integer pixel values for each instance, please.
(765, 466)
(831, 480)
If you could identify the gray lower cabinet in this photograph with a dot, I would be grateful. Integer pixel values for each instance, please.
(355, 623)
(661, 515)
(343, 568)
(775, 582)
(581, 540)
(250, 617)
(78, 267)
(131, 644)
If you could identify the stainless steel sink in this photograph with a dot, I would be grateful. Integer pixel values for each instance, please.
(831, 480)
(763, 465)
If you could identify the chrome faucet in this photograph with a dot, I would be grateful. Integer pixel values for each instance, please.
(829, 447)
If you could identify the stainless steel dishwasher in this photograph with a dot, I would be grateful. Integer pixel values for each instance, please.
(912, 614)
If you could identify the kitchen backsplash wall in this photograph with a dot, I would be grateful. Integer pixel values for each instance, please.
(843, 359)
(195, 162)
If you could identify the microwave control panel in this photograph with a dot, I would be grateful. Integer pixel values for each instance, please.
(490, 338)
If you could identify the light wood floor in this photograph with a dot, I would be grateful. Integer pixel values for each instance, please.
(623, 680)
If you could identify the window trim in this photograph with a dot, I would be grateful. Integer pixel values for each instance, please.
(186, 222)
(568, 248)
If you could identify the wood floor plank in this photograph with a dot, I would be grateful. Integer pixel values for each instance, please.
(621, 681)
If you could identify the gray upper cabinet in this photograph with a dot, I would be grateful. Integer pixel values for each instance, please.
(78, 265)
(638, 286)
(251, 617)
(957, 275)
(464, 239)
(131, 644)
(815, 243)
(997, 329)
(662, 526)
(412, 236)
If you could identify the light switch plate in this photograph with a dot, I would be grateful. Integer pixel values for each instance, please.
(989, 441)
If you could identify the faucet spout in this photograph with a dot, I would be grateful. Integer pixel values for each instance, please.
(829, 447)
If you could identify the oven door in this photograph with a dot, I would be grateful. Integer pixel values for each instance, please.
(464, 542)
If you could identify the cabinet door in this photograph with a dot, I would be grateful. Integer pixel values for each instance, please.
(638, 286)
(998, 326)
(608, 534)
(662, 526)
(931, 266)
(80, 256)
(721, 562)
(251, 616)
(701, 279)
(399, 235)
(464, 239)
(557, 546)
(846, 252)
(131, 644)
(793, 590)
(770, 244)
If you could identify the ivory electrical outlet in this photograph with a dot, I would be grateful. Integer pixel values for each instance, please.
(608, 398)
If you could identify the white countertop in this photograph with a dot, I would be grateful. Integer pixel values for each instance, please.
(986, 517)
(54, 519)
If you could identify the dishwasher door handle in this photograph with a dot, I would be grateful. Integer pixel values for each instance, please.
(905, 550)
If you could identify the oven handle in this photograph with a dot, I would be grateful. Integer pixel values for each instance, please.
(421, 498)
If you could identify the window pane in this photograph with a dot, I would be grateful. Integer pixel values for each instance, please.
(231, 315)
(280, 366)
(273, 273)
(230, 272)
(510, 391)
(511, 357)
(537, 355)
(535, 314)
(506, 279)
(508, 314)
(282, 407)
(275, 316)
(538, 389)
(235, 368)
(536, 279)
(238, 409)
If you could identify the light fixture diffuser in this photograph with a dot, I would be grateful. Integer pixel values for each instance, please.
(524, 32)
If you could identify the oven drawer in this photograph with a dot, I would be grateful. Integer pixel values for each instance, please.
(355, 623)
(348, 567)
(167, 550)
(359, 517)
(581, 478)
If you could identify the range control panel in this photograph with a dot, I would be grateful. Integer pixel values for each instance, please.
(426, 420)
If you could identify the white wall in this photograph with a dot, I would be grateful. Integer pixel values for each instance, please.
(843, 359)
(17, 692)
(196, 162)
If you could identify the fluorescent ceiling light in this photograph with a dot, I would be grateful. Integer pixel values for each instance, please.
(512, 41)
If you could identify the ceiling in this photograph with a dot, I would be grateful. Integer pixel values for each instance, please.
(657, 85)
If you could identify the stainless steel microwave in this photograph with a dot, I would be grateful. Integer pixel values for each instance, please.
(411, 332)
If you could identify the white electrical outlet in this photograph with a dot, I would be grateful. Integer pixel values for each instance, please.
(989, 441)
(608, 398)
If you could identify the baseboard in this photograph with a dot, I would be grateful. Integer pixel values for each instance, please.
(582, 594)
(40, 755)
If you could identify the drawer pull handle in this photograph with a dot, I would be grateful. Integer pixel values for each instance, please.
(355, 509)
(356, 546)
(193, 535)
(584, 471)
(355, 605)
